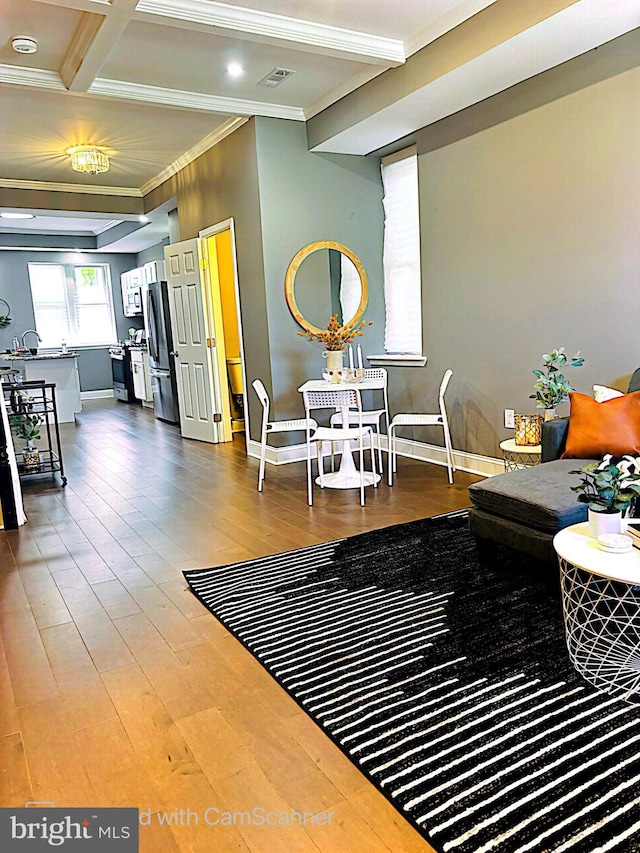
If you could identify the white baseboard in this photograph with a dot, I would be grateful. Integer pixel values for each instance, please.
(472, 463)
(96, 395)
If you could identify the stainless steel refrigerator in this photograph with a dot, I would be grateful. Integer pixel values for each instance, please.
(160, 343)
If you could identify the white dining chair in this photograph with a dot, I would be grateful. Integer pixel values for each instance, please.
(371, 417)
(343, 398)
(439, 419)
(269, 427)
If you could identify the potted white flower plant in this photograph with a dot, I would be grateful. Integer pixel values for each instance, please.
(551, 386)
(609, 492)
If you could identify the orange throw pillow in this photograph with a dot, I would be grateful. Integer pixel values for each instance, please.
(599, 428)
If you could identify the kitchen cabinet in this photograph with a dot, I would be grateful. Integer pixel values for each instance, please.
(141, 377)
(131, 284)
(153, 271)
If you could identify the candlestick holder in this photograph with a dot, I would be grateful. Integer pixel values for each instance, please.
(528, 430)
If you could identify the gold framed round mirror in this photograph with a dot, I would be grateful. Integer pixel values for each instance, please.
(323, 279)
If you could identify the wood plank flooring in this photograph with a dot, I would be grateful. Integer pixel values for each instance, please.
(119, 688)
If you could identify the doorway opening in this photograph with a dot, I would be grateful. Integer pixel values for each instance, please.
(220, 249)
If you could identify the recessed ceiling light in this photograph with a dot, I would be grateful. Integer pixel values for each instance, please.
(143, 219)
(234, 69)
(17, 215)
(24, 44)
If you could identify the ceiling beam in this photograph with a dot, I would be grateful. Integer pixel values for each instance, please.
(100, 7)
(92, 43)
(256, 25)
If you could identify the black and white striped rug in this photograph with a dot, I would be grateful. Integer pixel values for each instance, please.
(447, 683)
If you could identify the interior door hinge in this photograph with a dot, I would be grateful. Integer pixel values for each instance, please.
(217, 418)
(211, 342)
(204, 264)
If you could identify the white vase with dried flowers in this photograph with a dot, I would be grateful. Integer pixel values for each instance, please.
(336, 338)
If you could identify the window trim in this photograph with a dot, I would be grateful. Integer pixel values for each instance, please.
(69, 273)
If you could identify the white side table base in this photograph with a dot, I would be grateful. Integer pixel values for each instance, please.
(602, 624)
(518, 456)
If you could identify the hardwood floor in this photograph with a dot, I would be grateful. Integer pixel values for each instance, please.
(119, 688)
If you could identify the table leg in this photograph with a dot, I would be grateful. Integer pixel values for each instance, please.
(347, 476)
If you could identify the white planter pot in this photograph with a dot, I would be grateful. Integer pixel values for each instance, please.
(604, 522)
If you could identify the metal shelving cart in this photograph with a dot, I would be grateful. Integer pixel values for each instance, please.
(38, 398)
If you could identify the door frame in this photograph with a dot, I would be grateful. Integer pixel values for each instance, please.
(211, 231)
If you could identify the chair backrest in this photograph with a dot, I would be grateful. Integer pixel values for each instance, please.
(261, 391)
(376, 373)
(443, 385)
(340, 398)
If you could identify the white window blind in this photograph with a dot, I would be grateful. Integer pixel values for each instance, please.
(72, 303)
(350, 288)
(401, 260)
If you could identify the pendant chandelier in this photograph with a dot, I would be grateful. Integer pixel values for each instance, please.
(89, 160)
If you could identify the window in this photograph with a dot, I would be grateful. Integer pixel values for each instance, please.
(72, 303)
(401, 254)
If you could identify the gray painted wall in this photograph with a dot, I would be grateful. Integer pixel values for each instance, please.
(529, 242)
(306, 197)
(153, 253)
(221, 184)
(94, 365)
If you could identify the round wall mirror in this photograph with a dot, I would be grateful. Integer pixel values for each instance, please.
(326, 278)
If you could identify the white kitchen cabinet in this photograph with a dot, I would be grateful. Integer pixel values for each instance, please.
(141, 377)
(131, 284)
(153, 271)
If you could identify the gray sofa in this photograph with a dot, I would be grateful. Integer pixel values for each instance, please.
(524, 509)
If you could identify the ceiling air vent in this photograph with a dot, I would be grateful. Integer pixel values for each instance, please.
(275, 77)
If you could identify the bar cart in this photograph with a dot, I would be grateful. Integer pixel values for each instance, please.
(35, 402)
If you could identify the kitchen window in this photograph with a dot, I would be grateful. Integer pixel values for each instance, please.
(72, 303)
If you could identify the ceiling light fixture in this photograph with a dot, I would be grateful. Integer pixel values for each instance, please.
(143, 219)
(17, 215)
(89, 160)
(234, 69)
(24, 44)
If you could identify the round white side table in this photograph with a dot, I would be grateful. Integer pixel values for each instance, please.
(601, 605)
(519, 456)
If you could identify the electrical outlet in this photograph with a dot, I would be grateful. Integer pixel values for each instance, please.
(509, 418)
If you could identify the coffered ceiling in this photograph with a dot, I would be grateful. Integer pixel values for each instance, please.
(148, 81)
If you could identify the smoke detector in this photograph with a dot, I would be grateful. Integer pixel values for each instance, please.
(275, 77)
(24, 44)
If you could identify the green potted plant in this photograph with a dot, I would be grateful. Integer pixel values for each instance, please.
(27, 427)
(609, 492)
(551, 386)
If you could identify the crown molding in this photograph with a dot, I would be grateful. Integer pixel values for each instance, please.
(189, 156)
(365, 46)
(191, 100)
(193, 153)
(38, 77)
(52, 186)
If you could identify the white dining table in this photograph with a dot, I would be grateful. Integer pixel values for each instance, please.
(347, 476)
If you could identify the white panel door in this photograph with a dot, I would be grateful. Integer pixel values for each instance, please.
(197, 393)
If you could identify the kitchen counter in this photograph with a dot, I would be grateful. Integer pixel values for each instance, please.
(39, 357)
(57, 367)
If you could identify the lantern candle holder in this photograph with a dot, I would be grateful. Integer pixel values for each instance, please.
(528, 430)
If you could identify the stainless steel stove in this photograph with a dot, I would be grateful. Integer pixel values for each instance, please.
(121, 373)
